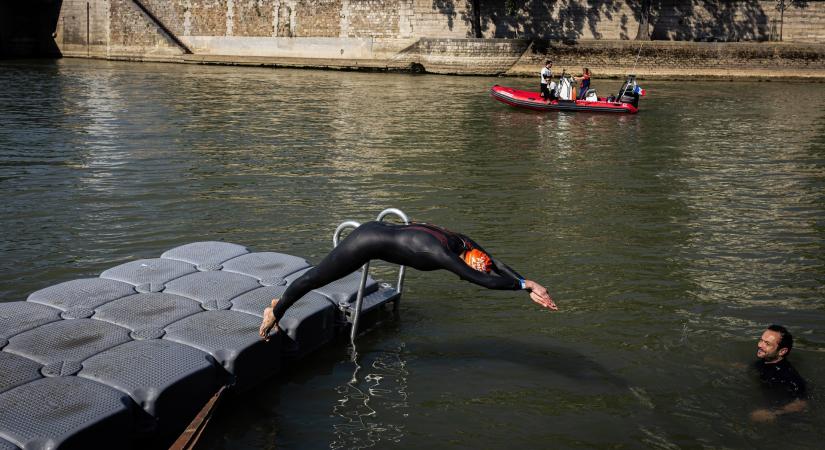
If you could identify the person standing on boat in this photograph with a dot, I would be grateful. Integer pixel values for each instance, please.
(421, 246)
(585, 83)
(547, 81)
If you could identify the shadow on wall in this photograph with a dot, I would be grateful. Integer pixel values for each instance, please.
(565, 20)
(718, 21)
(27, 28)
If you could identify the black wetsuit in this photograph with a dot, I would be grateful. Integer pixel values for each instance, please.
(420, 246)
(781, 381)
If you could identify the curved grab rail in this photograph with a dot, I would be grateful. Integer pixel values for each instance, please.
(395, 211)
(343, 226)
(406, 220)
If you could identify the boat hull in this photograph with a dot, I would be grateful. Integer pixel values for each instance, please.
(533, 100)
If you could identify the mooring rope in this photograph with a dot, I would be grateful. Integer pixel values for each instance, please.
(639, 53)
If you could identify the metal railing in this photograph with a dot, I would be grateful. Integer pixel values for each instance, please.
(359, 299)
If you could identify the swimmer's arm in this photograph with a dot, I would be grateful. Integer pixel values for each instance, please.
(768, 415)
(503, 269)
(538, 293)
(499, 267)
(795, 406)
(455, 265)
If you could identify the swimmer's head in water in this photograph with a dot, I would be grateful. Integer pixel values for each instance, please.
(478, 260)
(776, 342)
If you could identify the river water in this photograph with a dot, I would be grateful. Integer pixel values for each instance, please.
(669, 240)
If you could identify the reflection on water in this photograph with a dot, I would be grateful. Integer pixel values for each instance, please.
(669, 239)
(384, 388)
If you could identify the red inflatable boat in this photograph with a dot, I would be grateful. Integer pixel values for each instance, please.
(627, 101)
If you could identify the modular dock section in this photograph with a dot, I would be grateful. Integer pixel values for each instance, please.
(103, 362)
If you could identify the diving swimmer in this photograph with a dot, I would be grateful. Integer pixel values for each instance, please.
(421, 246)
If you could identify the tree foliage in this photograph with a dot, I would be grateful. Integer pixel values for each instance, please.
(569, 20)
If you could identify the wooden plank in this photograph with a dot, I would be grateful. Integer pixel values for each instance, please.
(193, 432)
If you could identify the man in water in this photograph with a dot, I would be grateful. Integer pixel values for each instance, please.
(784, 387)
(418, 245)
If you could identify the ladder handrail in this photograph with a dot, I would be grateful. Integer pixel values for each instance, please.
(406, 220)
(359, 298)
(343, 226)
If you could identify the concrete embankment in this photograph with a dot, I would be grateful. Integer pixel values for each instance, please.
(679, 60)
(745, 39)
(521, 58)
(513, 57)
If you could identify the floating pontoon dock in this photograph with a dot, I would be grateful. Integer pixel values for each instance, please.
(100, 362)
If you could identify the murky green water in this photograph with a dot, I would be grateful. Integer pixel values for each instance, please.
(669, 240)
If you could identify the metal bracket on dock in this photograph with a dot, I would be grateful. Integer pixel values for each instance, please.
(359, 299)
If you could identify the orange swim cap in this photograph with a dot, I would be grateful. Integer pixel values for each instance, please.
(478, 260)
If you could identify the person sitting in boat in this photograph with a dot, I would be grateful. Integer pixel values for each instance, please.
(546, 81)
(421, 246)
(584, 84)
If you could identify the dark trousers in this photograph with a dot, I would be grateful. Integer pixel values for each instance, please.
(545, 92)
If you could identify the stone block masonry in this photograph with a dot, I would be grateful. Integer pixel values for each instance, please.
(732, 38)
(676, 60)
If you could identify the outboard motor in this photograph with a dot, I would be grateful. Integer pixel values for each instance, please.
(628, 93)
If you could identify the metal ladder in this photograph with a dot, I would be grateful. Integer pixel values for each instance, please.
(359, 299)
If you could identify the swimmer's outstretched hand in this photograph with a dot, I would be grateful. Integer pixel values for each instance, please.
(546, 302)
(269, 321)
(539, 294)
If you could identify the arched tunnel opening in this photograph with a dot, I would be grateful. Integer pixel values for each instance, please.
(27, 28)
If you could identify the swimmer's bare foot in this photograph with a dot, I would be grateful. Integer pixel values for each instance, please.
(268, 322)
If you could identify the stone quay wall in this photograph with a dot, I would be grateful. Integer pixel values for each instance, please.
(484, 37)
(678, 60)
